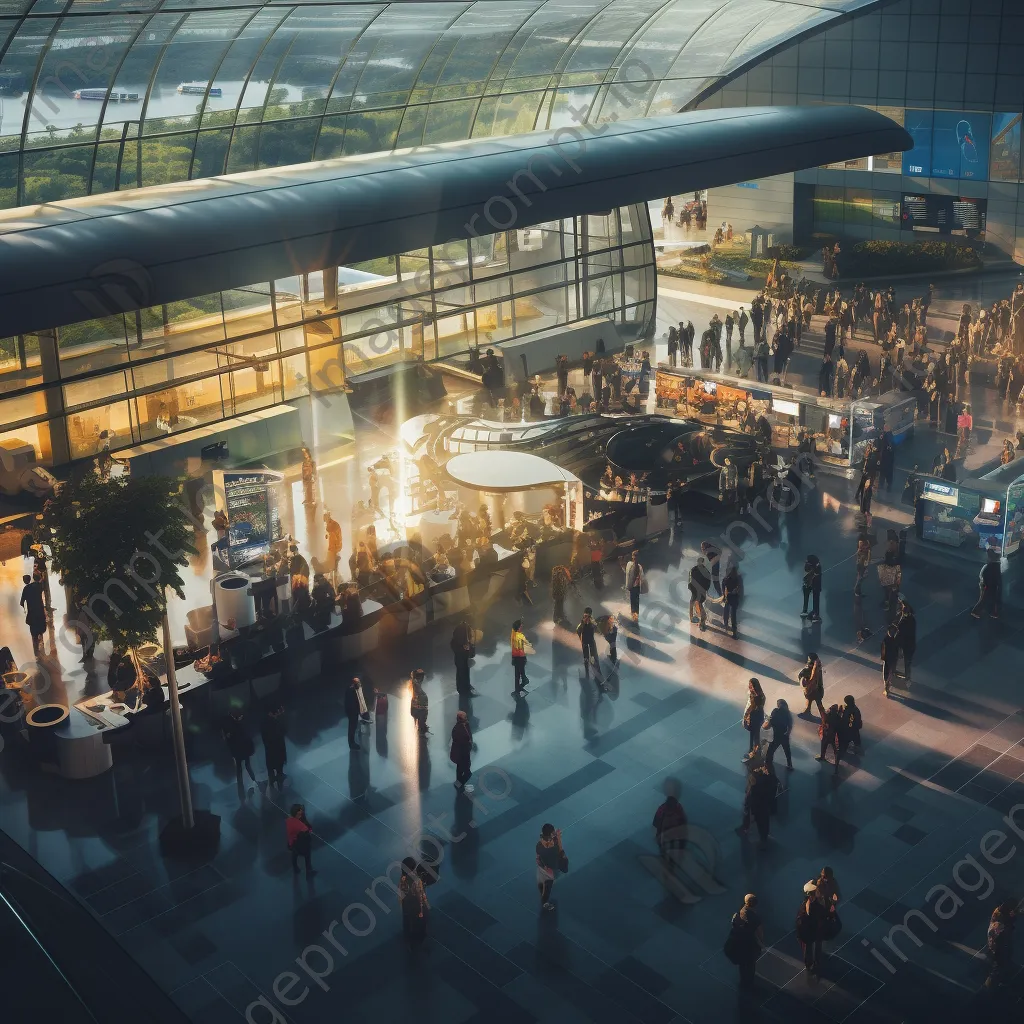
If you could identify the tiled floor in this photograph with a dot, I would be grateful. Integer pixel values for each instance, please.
(241, 936)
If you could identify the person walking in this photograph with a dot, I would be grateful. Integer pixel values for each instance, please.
(635, 582)
(889, 655)
(461, 750)
(906, 626)
(753, 716)
(673, 346)
(551, 860)
(355, 709)
(729, 323)
(412, 896)
(850, 725)
(586, 631)
(990, 586)
(240, 744)
(831, 722)
(741, 323)
(463, 650)
(299, 834)
(35, 609)
(862, 562)
(759, 802)
(518, 644)
(890, 577)
(610, 630)
(698, 583)
(274, 748)
(810, 922)
(780, 721)
(812, 680)
(420, 704)
(999, 940)
(812, 587)
(732, 589)
(745, 941)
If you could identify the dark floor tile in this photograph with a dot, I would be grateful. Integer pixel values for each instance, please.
(465, 912)
(477, 955)
(909, 834)
(124, 891)
(193, 947)
(645, 700)
(493, 1005)
(203, 1004)
(834, 832)
(871, 901)
(974, 791)
(1008, 766)
(899, 813)
(777, 970)
(90, 882)
(1008, 798)
(955, 775)
(640, 974)
(641, 1003)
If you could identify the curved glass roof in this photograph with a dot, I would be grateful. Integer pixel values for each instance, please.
(98, 95)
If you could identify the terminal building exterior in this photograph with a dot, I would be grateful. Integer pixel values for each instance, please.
(104, 99)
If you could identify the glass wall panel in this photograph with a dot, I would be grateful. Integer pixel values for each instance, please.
(326, 369)
(252, 387)
(106, 426)
(541, 310)
(542, 277)
(92, 345)
(95, 389)
(179, 408)
(178, 326)
(490, 255)
(288, 300)
(295, 375)
(248, 310)
(162, 371)
(531, 246)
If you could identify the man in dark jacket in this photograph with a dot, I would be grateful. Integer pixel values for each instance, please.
(780, 721)
(812, 587)
(698, 584)
(906, 629)
(461, 751)
(463, 651)
(990, 586)
(850, 724)
(825, 377)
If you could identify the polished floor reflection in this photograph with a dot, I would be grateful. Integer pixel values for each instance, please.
(941, 765)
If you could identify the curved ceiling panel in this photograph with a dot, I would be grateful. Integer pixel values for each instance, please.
(274, 83)
(58, 261)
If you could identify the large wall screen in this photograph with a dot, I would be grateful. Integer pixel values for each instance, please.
(960, 145)
(1005, 152)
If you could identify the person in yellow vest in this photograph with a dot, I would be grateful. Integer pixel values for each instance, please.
(518, 642)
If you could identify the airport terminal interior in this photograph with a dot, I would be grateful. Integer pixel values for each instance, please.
(510, 511)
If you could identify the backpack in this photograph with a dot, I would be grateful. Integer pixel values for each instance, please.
(734, 941)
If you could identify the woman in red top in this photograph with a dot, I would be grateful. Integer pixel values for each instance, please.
(299, 834)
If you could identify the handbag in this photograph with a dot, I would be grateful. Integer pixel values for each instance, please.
(563, 862)
(643, 582)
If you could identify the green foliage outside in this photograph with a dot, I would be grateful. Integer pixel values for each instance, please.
(877, 258)
(101, 534)
(731, 263)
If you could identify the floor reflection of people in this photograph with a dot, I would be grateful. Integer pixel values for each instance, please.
(520, 718)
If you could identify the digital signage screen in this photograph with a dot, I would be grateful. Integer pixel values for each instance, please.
(1005, 153)
(944, 215)
(918, 161)
(960, 145)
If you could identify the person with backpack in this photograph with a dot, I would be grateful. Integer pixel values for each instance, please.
(420, 703)
(812, 681)
(780, 721)
(812, 587)
(831, 723)
(461, 749)
(745, 940)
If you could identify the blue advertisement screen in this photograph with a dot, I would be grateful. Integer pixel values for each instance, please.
(960, 145)
(918, 161)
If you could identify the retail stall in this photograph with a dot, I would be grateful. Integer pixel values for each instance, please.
(977, 514)
(839, 429)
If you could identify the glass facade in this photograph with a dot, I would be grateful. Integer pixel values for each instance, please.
(950, 72)
(122, 380)
(101, 95)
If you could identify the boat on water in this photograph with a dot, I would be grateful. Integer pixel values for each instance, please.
(199, 89)
(103, 94)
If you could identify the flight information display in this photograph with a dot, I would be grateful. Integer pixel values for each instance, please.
(944, 215)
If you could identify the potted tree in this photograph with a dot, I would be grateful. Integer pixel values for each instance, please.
(119, 546)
